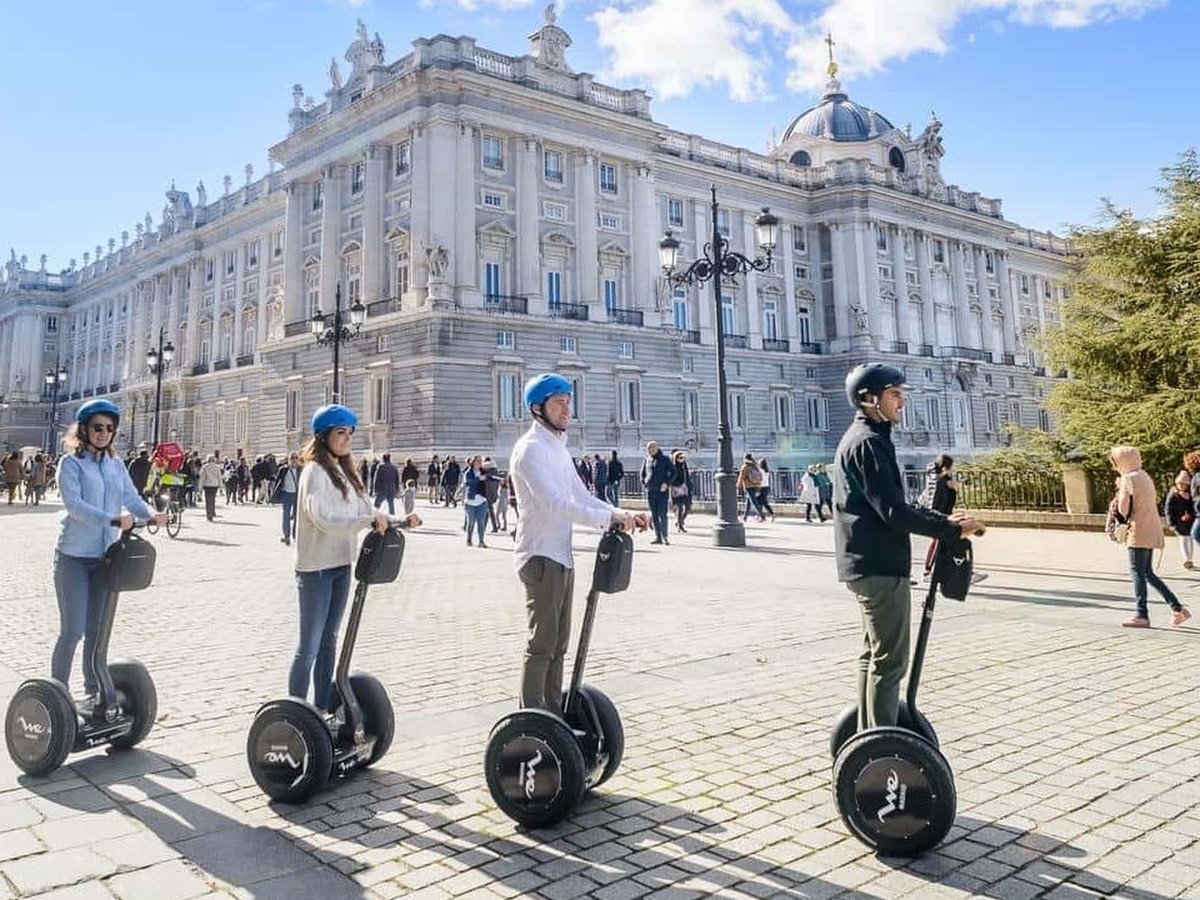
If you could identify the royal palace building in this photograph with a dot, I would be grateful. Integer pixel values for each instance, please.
(499, 216)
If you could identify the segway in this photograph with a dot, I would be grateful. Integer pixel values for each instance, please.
(539, 765)
(44, 724)
(893, 787)
(294, 748)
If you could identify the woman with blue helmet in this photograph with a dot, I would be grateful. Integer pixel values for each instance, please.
(96, 490)
(332, 507)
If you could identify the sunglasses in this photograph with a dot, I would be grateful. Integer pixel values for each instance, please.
(100, 427)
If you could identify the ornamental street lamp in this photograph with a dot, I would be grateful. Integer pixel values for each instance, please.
(55, 379)
(158, 360)
(719, 263)
(334, 330)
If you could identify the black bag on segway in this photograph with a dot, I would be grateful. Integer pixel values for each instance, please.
(380, 557)
(953, 568)
(128, 564)
(614, 562)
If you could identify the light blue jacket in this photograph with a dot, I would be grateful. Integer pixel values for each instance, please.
(94, 490)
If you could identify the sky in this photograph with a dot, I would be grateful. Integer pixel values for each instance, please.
(1049, 105)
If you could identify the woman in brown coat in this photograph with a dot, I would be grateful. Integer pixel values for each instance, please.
(1137, 501)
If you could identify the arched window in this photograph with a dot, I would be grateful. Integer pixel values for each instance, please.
(801, 158)
(896, 158)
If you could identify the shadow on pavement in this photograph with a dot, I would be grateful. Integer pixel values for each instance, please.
(208, 542)
(203, 827)
(1044, 869)
(1069, 599)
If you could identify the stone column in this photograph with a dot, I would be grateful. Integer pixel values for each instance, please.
(293, 260)
(331, 264)
(705, 304)
(985, 304)
(841, 285)
(373, 249)
(869, 270)
(905, 325)
(1006, 302)
(260, 314)
(754, 325)
(528, 274)
(785, 257)
(644, 249)
(239, 286)
(418, 235)
(929, 333)
(585, 228)
(964, 320)
(441, 166)
(466, 262)
(195, 267)
(816, 270)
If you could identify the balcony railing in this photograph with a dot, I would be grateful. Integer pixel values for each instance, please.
(221, 365)
(1009, 359)
(88, 391)
(200, 369)
(737, 341)
(690, 337)
(1039, 370)
(246, 359)
(113, 388)
(75, 395)
(576, 311)
(619, 316)
(925, 350)
(778, 345)
(291, 329)
(969, 353)
(810, 347)
(382, 307)
(499, 303)
(899, 347)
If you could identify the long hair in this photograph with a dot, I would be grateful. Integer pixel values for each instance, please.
(341, 471)
(75, 441)
(942, 462)
(1191, 461)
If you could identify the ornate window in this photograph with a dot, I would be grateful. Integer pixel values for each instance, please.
(896, 159)
(801, 158)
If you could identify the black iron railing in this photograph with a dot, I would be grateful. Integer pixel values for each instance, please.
(381, 307)
(1009, 359)
(810, 347)
(200, 369)
(246, 359)
(969, 353)
(619, 316)
(925, 350)
(221, 365)
(88, 392)
(778, 345)
(500, 303)
(900, 347)
(291, 329)
(113, 388)
(737, 341)
(690, 337)
(577, 312)
(75, 395)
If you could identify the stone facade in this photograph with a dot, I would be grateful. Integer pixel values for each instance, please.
(499, 216)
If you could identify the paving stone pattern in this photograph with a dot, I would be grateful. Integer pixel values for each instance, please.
(1075, 744)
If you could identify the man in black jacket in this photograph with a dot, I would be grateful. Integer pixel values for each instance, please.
(872, 523)
(657, 474)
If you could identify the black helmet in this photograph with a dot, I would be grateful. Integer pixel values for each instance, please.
(871, 378)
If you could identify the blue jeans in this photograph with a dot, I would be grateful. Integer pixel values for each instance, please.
(1142, 572)
(287, 501)
(477, 518)
(81, 597)
(613, 491)
(323, 597)
(391, 502)
(657, 501)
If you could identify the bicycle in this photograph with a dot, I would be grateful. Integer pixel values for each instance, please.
(174, 509)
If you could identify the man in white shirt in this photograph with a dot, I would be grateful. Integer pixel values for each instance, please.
(552, 500)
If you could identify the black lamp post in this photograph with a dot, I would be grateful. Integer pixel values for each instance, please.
(334, 330)
(55, 379)
(158, 360)
(716, 263)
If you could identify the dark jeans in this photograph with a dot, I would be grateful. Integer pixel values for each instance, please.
(657, 501)
(752, 502)
(1141, 570)
(391, 502)
(210, 503)
(612, 492)
(764, 502)
(323, 597)
(81, 597)
(477, 517)
(287, 502)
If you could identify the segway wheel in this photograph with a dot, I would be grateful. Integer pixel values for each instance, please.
(895, 791)
(613, 731)
(39, 726)
(846, 725)
(290, 750)
(136, 698)
(378, 718)
(534, 767)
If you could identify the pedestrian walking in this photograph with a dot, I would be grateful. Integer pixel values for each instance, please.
(450, 478)
(810, 494)
(1180, 513)
(433, 479)
(210, 483)
(385, 484)
(101, 501)
(681, 490)
(600, 476)
(475, 505)
(764, 490)
(289, 491)
(872, 523)
(1137, 503)
(656, 477)
(749, 480)
(13, 473)
(553, 499)
(616, 475)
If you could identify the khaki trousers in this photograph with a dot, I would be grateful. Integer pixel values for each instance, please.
(885, 602)
(548, 589)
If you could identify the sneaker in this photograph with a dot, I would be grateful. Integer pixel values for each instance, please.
(1181, 616)
(1136, 622)
(1187, 564)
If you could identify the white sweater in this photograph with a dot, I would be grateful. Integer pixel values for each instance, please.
(327, 524)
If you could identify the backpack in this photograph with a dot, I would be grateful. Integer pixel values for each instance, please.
(753, 476)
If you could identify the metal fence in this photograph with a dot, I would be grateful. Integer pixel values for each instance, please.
(999, 490)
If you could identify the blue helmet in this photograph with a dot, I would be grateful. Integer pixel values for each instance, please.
(541, 388)
(97, 407)
(333, 415)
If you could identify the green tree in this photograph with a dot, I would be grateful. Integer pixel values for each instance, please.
(1130, 334)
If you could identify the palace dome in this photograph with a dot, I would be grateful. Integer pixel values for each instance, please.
(838, 118)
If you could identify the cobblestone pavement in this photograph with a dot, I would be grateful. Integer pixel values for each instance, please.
(1075, 744)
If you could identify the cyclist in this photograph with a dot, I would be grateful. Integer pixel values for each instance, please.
(332, 506)
(96, 490)
(872, 523)
(552, 500)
